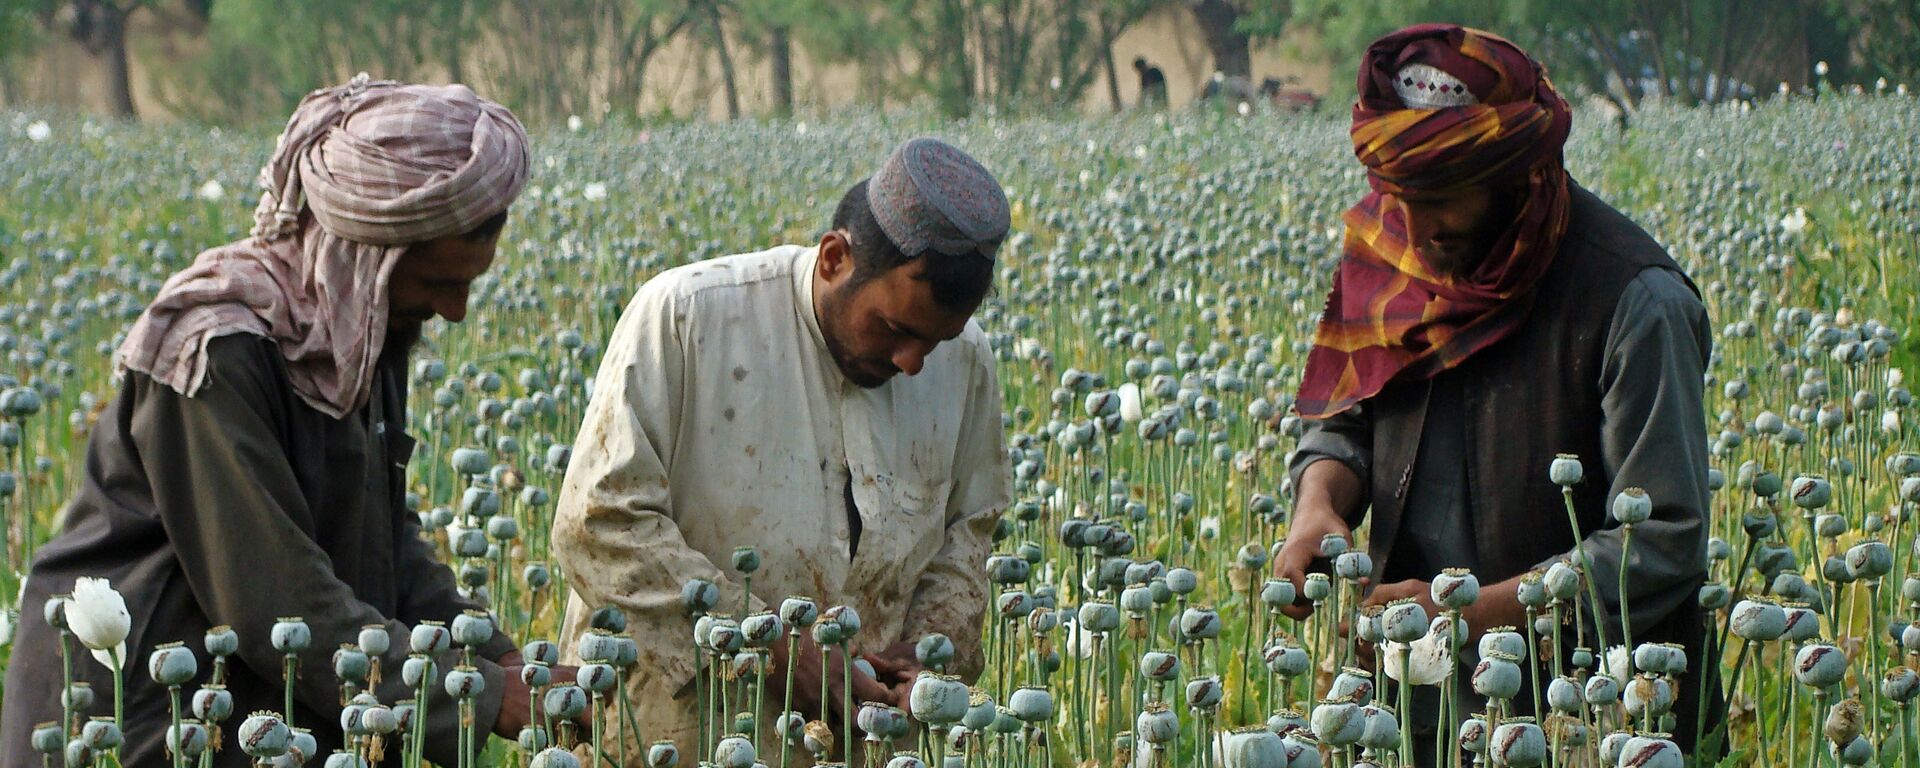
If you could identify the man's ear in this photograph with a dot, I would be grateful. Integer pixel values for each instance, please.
(836, 256)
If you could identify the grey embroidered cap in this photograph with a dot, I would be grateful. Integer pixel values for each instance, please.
(931, 195)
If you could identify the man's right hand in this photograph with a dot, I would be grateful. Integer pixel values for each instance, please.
(807, 673)
(1310, 525)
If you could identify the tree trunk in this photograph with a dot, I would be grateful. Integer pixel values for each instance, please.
(726, 60)
(1107, 36)
(113, 40)
(1232, 52)
(781, 47)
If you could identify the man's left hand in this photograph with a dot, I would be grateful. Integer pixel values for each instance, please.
(1420, 591)
(896, 664)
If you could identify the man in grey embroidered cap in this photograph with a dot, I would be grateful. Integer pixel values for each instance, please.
(755, 400)
(254, 463)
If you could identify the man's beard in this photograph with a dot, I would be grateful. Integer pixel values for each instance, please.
(831, 319)
(401, 338)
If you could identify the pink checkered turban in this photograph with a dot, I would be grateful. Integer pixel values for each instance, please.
(362, 172)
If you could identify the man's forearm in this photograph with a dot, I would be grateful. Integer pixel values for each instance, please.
(1329, 486)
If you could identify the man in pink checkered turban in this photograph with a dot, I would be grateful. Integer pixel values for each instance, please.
(253, 465)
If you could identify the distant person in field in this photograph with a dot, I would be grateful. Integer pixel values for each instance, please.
(833, 406)
(254, 463)
(1489, 313)
(1153, 83)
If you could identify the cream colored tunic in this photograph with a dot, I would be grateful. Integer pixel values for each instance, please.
(719, 420)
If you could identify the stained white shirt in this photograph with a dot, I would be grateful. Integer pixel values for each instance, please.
(719, 420)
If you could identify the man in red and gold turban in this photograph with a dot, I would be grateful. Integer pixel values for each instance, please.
(1489, 314)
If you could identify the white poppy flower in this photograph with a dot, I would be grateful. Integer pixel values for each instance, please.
(98, 617)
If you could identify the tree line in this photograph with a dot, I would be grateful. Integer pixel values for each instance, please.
(554, 58)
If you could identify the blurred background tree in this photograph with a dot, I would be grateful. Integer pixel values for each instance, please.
(241, 61)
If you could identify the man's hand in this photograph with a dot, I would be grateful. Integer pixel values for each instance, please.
(1310, 525)
(807, 674)
(1420, 591)
(515, 698)
(897, 663)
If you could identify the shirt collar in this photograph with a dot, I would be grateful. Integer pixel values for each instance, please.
(803, 271)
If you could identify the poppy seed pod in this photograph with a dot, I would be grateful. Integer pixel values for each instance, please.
(188, 739)
(212, 704)
(1829, 525)
(1204, 692)
(100, 734)
(417, 669)
(1008, 569)
(827, 632)
(1505, 640)
(351, 664)
(1532, 590)
(1601, 690)
(464, 682)
(222, 641)
(938, 700)
(1159, 666)
(1759, 524)
(1338, 723)
(734, 751)
(1562, 580)
(1811, 492)
(1651, 750)
(1157, 724)
(1032, 704)
(565, 702)
(472, 628)
(374, 640)
(1819, 665)
(699, 595)
(1256, 747)
(746, 559)
(532, 738)
(1182, 581)
(1367, 621)
(1565, 470)
(1455, 588)
(1765, 484)
(1353, 566)
(1137, 601)
(799, 612)
(1714, 596)
(1845, 721)
(1859, 751)
(1016, 604)
(291, 635)
(846, 617)
(1651, 658)
(1333, 545)
(1518, 742)
(554, 757)
(1901, 684)
(723, 636)
(172, 665)
(1199, 622)
(1564, 695)
(541, 652)
(595, 678)
(1632, 507)
(980, 710)
(536, 675)
(1473, 734)
(934, 650)
(1497, 677)
(429, 637)
(1404, 621)
(264, 735)
(1870, 560)
(1287, 661)
(1355, 685)
(761, 629)
(1318, 587)
(1277, 594)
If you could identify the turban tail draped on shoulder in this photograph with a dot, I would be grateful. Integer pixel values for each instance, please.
(1486, 116)
(362, 172)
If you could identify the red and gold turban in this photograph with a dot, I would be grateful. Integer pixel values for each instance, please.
(1441, 108)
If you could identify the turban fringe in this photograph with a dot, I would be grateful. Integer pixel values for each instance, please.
(1390, 314)
(362, 172)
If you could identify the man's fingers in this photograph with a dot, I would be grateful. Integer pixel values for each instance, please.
(1297, 612)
